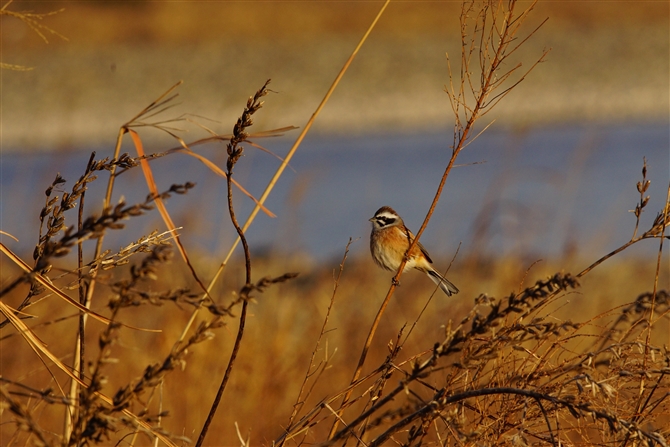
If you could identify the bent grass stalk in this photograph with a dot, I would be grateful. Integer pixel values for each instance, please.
(235, 150)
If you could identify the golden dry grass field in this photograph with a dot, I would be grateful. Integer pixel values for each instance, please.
(283, 327)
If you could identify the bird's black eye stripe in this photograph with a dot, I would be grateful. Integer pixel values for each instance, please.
(383, 220)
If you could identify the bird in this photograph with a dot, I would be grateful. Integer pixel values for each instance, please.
(390, 239)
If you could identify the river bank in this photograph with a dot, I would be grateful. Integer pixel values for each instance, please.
(81, 91)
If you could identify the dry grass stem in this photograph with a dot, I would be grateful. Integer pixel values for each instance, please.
(235, 150)
(496, 25)
(34, 22)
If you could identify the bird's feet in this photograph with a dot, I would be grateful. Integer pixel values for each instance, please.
(395, 282)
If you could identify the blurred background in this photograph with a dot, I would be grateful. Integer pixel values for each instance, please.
(553, 177)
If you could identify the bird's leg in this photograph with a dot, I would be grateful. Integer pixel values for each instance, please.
(395, 282)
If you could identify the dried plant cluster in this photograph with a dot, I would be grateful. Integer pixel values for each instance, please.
(510, 371)
(511, 374)
(91, 416)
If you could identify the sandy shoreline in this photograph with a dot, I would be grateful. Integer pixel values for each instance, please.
(78, 95)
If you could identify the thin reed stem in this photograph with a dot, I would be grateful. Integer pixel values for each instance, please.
(88, 297)
(298, 141)
(226, 376)
(300, 400)
(234, 153)
(489, 82)
(284, 164)
(659, 258)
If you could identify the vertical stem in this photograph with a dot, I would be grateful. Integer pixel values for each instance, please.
(285, 162)
(226, 376)
(233, 155)
(293, 149)
(664, 220)
(78, 362)
(488, 84)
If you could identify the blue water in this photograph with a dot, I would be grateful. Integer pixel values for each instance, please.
(538, 192)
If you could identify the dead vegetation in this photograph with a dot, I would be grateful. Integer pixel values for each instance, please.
(502, 371)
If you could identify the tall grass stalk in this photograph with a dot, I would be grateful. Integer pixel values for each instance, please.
(494, 38)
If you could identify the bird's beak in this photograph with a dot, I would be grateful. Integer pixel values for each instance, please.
(371, 219)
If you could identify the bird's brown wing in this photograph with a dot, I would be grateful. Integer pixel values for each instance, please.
(410, 238)
(425, 253)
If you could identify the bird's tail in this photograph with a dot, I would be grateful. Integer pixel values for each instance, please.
(446, 285)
